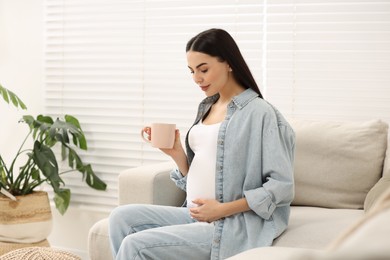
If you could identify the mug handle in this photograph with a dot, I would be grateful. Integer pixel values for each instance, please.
(143, 137)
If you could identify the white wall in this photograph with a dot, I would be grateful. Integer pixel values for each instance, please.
(70, 232)
(21, 65)
(22, 71)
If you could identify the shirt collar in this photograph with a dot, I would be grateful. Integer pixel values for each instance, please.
(244, 98)
(240, 100)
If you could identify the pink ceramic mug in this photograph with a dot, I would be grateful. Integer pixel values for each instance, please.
(162, 135)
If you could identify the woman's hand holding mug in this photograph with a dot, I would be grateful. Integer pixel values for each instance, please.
(163, 136)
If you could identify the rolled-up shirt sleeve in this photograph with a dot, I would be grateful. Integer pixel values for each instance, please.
(178, 179)
(277, 162)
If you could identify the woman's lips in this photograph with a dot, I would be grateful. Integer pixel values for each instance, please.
(204, 88)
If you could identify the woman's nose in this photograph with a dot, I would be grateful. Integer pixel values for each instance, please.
(198, 80)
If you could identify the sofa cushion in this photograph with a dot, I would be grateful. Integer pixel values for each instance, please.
(372, 236)
(386, 166)
(382, 184)
(314, 227)
(371, 233)
(291, 253)
(380, 187)
(275, 253)
(337, 163)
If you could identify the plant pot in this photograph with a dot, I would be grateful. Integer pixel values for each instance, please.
(27, 220)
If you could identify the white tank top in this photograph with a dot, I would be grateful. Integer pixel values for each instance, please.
(201, 175)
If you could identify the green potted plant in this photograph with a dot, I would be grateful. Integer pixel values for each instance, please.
(40, 165)
(25, 212)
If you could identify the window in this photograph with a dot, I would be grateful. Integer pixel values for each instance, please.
(329, 59)
(119, 65)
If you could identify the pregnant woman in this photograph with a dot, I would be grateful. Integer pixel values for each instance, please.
(236, 167)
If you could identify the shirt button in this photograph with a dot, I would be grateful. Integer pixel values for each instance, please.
(220, 142)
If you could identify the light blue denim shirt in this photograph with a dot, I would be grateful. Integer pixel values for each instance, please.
(255, 156)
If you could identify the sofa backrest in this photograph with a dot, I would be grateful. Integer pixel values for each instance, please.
(386, 166)
(337, 163)
(382, 185)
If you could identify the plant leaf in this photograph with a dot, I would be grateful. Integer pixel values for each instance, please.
(46, 161)
(70, 158)
(45, 119)
(15, 100)
(60, 129)
(75, 158)
(92, 179)
(79, 137)
(3, 176)
(29, 120)
(35, 174)
(64, 153)
(62, 199)
(7, 95)
(86, 169)
(4, 93)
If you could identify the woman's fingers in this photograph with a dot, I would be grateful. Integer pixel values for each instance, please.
(148, 131)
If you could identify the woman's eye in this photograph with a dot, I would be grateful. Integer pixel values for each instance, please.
(204, 71)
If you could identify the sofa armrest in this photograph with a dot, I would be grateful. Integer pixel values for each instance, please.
(149, 184)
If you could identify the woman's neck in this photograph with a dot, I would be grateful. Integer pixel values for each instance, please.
(228, 93)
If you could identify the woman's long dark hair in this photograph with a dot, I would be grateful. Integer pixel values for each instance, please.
(220, 44)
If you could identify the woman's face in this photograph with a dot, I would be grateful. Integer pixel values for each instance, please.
(210, 74)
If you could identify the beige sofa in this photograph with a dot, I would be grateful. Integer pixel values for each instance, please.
(340, 170)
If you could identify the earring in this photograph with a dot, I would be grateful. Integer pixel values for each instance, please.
(230, 70)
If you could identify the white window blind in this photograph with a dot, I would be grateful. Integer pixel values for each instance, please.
(329, 59)
(119, 65)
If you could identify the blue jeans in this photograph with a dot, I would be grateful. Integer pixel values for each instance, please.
(158, 232)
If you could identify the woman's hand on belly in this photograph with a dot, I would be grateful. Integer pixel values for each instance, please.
(207, 210)
(210, 210)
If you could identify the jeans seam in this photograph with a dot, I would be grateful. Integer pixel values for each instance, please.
(141, 223)
(168, 245)
(133, 230)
